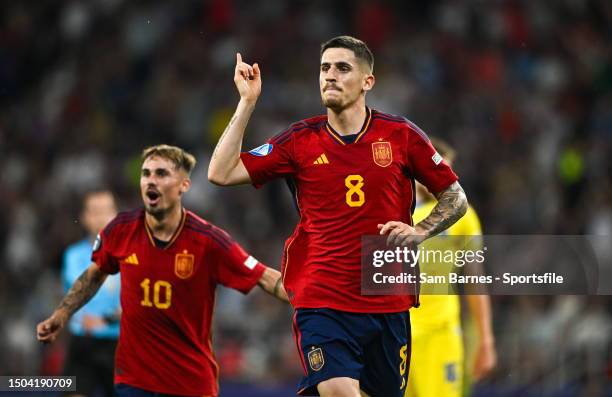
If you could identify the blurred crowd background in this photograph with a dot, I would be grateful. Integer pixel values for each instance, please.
(522, 89)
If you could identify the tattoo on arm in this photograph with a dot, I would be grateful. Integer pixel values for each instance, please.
(229, 125)
(82, 290)
(452, 205)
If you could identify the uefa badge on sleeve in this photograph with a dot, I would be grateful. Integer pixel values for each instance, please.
(437, 159)
(262, 150)
(315, 358)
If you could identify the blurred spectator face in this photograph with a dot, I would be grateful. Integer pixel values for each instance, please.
(162, 185)
(98, 210)
(343, 78)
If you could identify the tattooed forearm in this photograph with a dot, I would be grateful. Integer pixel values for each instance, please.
(452, 205)
(82, 290)
(225, 132)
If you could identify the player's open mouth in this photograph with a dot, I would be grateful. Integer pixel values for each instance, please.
(153, 196)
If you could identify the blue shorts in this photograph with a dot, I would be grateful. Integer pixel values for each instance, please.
(371, 348)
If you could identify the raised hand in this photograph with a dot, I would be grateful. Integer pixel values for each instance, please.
(247, 79)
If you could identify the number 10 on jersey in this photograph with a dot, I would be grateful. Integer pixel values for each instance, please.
(355, 197)
(159, 301)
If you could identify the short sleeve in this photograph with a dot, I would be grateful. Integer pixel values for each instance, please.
(101, 252)
(271, 160)
(426, 165)
(233, 267)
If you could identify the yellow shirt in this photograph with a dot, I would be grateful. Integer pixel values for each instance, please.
(442, 309)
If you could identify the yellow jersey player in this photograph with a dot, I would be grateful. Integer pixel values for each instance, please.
(437, 344)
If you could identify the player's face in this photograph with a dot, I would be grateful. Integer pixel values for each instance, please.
(98, 210)
(162, 185)
(343, 79)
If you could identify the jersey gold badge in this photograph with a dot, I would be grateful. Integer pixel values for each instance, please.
(382, 154)
(315, 359)
(183, 265)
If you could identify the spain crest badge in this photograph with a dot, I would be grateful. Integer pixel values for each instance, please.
(315, 359)
(183, 265)
(382, 154)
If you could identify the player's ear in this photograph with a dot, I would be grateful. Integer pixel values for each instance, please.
(368, 82)
(185, 186)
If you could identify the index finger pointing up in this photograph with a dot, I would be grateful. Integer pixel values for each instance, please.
(238, 58)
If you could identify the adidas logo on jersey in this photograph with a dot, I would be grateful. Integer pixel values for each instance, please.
(322, 159)
(132, 259)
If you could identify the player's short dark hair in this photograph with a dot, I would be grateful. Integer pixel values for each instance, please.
(359, 48)
(181, 158)
(444, 149)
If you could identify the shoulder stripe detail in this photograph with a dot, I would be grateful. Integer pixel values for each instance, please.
(210, 235)
(392, 119)
(292, 128)
(129, 214)
(403, 120)
(389, 115)
(297, 127)
(121, 219)
(225, 243)
(418, 130)
(208, 227)
(198, 224)
(280, 135)
(196, 220)
(221, 234)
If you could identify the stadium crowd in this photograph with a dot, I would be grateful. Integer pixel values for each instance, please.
(522, 89)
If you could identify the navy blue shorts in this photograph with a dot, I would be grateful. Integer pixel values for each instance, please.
(372, 348)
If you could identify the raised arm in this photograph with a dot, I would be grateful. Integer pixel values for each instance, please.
(225, 166)
(83, 289)
(452, 205)
(271, 281)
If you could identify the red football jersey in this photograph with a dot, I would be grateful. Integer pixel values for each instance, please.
(167, 298)
(342, 192)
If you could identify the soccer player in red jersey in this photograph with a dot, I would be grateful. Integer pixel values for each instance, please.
(170, 262)
(352, 173)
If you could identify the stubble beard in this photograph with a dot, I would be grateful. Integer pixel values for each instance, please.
(156, 212)
(333, 104)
